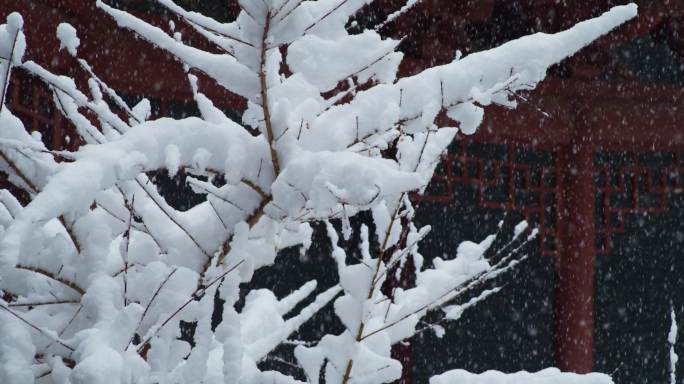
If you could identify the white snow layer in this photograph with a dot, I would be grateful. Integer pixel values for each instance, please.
(124, 265)
(546, 376)
(67, 38)
(672, 340)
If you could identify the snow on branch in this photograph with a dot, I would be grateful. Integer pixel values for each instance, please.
(231, 74)
(96, 266)
(672, 340)
(465, 85)
(12, 47)
(546, 376)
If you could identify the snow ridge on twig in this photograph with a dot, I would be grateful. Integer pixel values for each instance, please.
(97, 266)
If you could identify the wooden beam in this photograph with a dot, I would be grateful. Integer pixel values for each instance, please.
(574, 289)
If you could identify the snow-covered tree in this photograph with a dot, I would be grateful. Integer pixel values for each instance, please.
(97, 271)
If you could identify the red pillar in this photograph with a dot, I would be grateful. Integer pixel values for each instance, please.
(574, 291)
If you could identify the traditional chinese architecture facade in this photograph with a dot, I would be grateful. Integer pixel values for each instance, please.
(594, 158)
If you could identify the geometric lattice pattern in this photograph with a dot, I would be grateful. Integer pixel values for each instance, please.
(513, 178)
(31, 101)
(633, 183)
(505, 177)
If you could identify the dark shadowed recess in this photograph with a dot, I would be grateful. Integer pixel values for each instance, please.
(639, 280)
(510, 331)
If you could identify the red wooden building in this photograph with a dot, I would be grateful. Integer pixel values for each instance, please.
(619, 96)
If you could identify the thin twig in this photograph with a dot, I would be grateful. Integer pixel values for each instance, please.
(108, 90)
(218, 216)
(34, 190)
(393, 16)
(79, 102)
(400, 256)
(20, 174)
(343, 2)
(6, 79)
(454, 292)
(196, 294)
(265, 99)
(52, 276)
(288, 13)
(211, 36)
(70, 231)
(40, 303)
(465, 306)
(216, 32)
(505, 87)
(251, 222)
(170, 217)
(210, 192)
(384, 55)
(256, 189)
(149, 304)
(127, 236)
(280, 9)
(57, 340)
(80, 307)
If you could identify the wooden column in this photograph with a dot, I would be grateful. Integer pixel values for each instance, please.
(574, 291)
